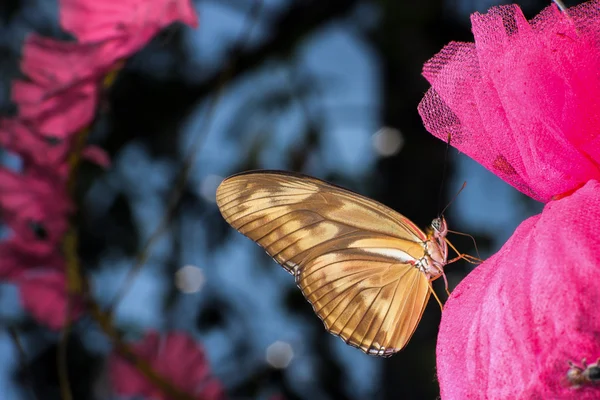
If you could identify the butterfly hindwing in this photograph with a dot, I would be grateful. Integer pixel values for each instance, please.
(371, 301)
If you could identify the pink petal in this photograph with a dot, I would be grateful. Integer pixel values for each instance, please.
(511, 326)
(41, 152)
(36, 208)
(44, 296)
(48, 153)
(17, 259)
(94, 21)
(58, 114)
(177, 357)
(96, 155)
(56, 65)
(523, 100)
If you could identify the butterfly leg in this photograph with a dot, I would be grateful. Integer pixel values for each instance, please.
(468, 258)
(446, 284)
(436, 296)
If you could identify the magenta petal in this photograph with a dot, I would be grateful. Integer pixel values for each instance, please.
(44, 296)
(511, 326)
(94, 21)
(18, 257)
(36, 208)
(523, 99)
(57, 65)
(34, 149)
(56, 114)
(177, 357)
(96, 155)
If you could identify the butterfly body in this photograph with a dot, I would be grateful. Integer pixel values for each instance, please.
(364, 267)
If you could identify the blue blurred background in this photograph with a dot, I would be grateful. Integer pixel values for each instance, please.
(325, 88)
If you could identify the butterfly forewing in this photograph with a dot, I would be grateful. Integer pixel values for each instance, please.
(352, 257)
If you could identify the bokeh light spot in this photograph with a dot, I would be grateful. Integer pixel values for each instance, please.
(387, 141)
(208, 187)
(189, 279)
(280, 354)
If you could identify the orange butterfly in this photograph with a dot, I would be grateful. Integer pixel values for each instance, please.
(365, 268)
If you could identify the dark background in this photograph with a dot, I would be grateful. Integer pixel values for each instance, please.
(305, 85)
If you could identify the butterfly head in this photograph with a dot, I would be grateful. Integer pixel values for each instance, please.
(440, 227)
(437, 247)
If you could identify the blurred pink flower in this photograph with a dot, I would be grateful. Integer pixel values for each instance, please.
(136, 20)
(524, 99)
(44, 295)
(177, 357)
(36, 209)
(512, 325)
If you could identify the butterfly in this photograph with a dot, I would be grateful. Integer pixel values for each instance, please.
(365, 268)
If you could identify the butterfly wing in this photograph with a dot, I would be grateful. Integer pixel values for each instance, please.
(371, 300)
(351, 256)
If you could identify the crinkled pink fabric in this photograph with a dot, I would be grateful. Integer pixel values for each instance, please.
(95, 21)
(177, 357)
(524, 99)
(511, 326)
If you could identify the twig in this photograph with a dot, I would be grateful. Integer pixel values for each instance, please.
(73, 272)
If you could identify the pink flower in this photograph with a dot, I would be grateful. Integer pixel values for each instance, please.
(35, 209)
(512, 325)
(137, 20)
(176, 357)
(524, 99)
(44, 296)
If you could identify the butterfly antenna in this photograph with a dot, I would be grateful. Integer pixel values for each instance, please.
(464, 185)
(440, 195)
